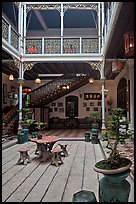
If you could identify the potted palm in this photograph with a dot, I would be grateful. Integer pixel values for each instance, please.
(115, 168)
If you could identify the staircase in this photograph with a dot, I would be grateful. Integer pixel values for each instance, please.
(55, 89)
(10, 123)
(42, 96)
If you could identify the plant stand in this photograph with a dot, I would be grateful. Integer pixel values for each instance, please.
(94, 138)
(87, 136)
(25, 131)
(114, 187)
(21, 138)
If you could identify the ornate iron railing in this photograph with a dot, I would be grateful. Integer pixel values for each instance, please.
(10, 34)
(69, 45)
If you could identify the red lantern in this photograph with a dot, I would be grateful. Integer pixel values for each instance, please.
(129, 44)
(26, 90)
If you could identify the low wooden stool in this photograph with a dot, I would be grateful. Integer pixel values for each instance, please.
(56, 159)
(24, 157)
(64, 151)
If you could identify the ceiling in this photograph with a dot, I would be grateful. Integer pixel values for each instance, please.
(52, 20)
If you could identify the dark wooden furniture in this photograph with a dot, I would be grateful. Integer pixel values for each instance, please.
(56, 156)
(44, 146)
(24, 156)
(56, 123)
(71, 123)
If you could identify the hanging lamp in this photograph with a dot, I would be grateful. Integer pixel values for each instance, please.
(37, 80)
(11, 77)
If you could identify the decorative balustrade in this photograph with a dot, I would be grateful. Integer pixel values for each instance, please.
(10, 34)
(5, 28)
(49, 88)
(69, 45)
(57, 88)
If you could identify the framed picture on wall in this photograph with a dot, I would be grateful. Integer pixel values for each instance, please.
(87, 108)
(10, 95)
(50, 109)
(5, 93)
(61, 109)
(60, 104)
(55, 109)
(84, 104)
(15, 96)
(53, 104)
(99, 103)
(91, 103)
(95, 108)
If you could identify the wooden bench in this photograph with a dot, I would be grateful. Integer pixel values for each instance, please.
(24, 156)
(56, 156)
(64, 150)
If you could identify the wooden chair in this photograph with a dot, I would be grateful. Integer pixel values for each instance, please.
(24, 156)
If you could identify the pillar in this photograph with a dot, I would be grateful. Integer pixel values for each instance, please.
(131, 77)
(102, 80)
(20, 83)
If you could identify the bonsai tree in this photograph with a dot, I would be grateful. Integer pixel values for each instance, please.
(95, 118)
(116, 133)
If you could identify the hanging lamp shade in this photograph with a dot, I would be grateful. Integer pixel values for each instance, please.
(91, 80)
(37, 81)
(11, 77)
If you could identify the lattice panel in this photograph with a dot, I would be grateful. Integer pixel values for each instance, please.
(71, 45)
(90, 45)
(5, 30)
(33, 46)
(52, 46)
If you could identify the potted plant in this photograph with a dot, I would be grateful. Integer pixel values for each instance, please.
(95, 118)
(115, 168)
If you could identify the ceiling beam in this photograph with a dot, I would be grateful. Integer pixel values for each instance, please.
(49, 75)
(41, 20)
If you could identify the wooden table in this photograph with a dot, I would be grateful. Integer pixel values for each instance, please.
(44, 146)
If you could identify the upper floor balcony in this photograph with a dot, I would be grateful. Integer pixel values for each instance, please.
(55, 29)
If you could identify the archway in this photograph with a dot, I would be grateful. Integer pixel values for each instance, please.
(122, 95)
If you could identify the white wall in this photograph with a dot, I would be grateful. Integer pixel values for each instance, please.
(88, 88)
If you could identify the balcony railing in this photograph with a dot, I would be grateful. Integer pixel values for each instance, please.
(62, 45)
(10, 34)
(56, 45)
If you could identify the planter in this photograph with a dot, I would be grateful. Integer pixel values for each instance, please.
(25, 131)
(114, 171)
(114, 187)
(84, 196)
(34, 134)
(94, 138)
(94, 130)
(21, 138)
(87, 136)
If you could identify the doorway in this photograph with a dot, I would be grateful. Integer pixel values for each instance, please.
(71, 112)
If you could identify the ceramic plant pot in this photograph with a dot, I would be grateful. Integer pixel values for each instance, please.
(114, 187)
